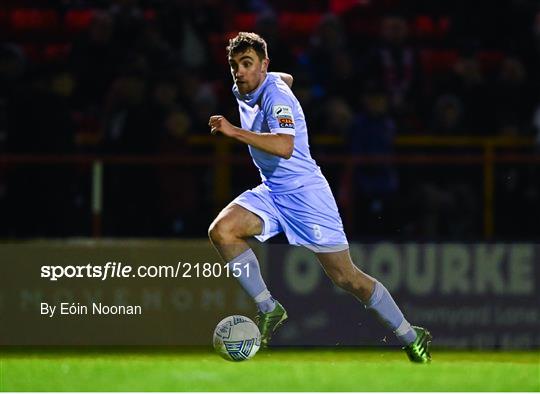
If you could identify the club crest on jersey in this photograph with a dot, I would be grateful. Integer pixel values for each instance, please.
(284, 116)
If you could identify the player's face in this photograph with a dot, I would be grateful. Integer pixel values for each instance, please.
(248, 71)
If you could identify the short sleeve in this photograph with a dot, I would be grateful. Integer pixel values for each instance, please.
(278, 107)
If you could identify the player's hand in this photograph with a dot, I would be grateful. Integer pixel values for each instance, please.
(221, 124)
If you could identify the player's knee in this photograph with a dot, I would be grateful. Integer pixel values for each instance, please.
(221, 231)
(214, 231)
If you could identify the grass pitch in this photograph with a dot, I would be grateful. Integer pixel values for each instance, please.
(274, 370)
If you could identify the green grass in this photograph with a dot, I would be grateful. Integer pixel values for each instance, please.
(275, 370)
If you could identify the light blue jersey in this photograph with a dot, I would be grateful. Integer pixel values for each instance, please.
(273, 108)
(295, 197)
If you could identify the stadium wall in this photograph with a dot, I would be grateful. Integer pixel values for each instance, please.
(483, 295)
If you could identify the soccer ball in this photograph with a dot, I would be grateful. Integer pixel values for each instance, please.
(237, 338)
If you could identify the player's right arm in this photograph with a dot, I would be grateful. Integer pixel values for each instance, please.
(277, 144)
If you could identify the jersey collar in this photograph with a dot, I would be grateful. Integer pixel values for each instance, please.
(253, 97)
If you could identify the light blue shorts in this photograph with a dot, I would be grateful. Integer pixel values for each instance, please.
(309, 218)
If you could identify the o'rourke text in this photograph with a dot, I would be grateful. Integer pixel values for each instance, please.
(119, 270)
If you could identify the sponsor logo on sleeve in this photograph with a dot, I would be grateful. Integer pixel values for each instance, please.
(284, 116)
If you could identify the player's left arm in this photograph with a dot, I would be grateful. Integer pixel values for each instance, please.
(277, 144)
(287, 78)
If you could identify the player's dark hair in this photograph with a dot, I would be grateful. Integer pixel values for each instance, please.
(245, 41)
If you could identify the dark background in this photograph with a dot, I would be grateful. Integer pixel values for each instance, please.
(82, 81)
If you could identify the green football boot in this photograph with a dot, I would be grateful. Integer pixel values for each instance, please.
(418, 351)
(269, 322)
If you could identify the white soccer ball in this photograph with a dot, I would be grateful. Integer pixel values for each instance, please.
(237, 338)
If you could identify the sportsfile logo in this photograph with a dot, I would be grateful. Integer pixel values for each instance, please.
(110, 270)
(119, 270)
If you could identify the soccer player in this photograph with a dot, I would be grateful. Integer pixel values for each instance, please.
(294, 198)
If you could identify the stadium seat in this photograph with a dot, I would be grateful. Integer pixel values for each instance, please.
(149, 14)
(436, 61)
(32, 52)
(364, 26)
(444, 25)
(299, 23)
(245, 22)
(217, 43)
(54, 52)
(3, 19)
(78, 20)
(341, 6)
(33, 19)
(425, 26)
(489, 60)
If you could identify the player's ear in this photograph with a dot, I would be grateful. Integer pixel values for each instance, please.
(265, 64)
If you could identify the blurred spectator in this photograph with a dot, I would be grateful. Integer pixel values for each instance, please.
(128, 123)
(339, 116)
(536, 124)
(41, 201)
(513, 98)
(179, 206)
(171, 121)
(447, 116)
(12, 67)
(372, 134)
(130, 128)
(40, 113)
(534, 55)
(94, 58)
(343, 79)
(443, 208)
(186, 25)
(328, 41)
(394, 62)
(128, 21)
(156, 49)
(281, 56)
(468, 83)
(197, 95)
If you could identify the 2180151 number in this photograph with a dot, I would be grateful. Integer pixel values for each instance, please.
(214, 270)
